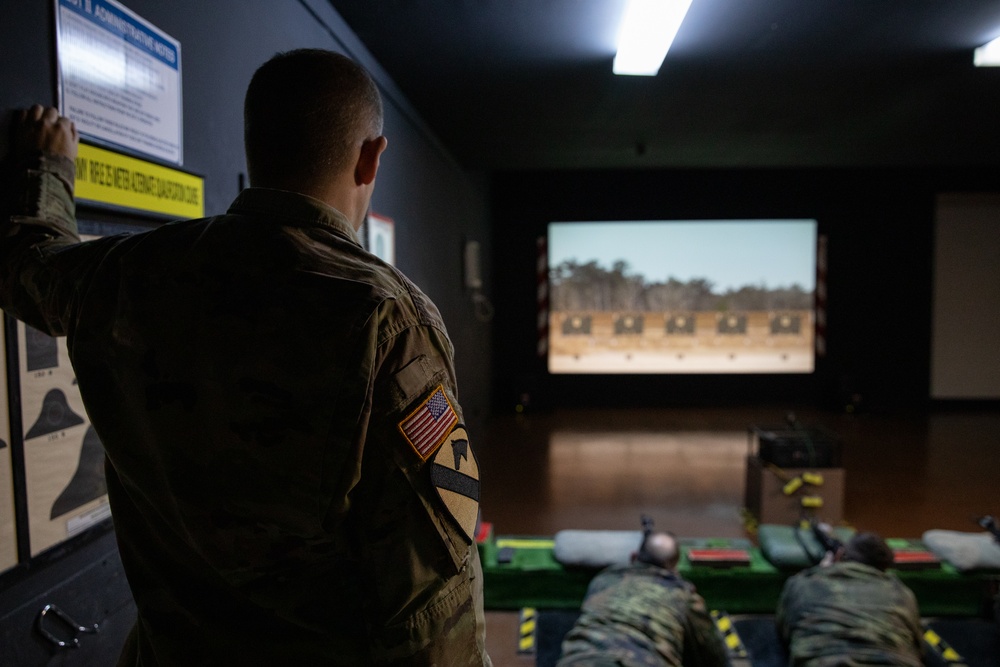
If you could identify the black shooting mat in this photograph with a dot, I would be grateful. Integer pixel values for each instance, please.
(975, 640)
(756, 634)
(552, 625)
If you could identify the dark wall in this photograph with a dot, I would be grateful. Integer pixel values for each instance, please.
(879, 225)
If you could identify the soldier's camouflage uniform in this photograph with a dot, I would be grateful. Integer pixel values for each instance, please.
(640, 615)
(274, 402)
(849, 614)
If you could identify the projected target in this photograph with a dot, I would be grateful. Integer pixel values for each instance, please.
(628, 324)
(576, 325)
(681, 324)
(786, 324)
(732, 324)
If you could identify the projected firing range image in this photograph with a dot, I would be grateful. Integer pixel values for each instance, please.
(682, 297)
(743, 342)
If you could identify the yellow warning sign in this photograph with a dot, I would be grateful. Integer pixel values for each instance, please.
(943, 648)
(106, 177)
(724, 624)
(527, 630)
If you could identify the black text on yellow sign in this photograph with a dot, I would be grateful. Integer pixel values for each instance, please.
(106, 177)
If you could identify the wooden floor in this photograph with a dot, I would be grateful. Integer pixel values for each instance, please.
(686, 468)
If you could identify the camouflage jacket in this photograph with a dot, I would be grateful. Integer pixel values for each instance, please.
(639, 615)
(847, 614)
(288, 472)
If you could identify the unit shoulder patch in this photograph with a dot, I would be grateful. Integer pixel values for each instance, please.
(429, 424)
(455, 475)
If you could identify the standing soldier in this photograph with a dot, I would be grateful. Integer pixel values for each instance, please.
(290, 479)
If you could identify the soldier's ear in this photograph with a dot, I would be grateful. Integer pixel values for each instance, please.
(368, 160)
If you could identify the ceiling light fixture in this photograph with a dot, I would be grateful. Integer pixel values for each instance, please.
(645, 35)
(987, 55)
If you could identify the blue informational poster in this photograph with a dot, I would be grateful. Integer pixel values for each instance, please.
(119, 78)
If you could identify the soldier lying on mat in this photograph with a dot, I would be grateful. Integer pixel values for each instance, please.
(850, 611)
(644, 613)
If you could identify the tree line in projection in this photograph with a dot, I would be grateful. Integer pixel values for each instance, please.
(591, 287)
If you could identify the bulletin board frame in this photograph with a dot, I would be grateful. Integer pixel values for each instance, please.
(66, 490)
(9, 556)
(47, 527)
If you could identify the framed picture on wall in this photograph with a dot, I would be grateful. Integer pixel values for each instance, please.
(63, 456)
(380, 237)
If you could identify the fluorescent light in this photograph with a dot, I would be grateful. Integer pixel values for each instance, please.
(987, 55)
(646, 32)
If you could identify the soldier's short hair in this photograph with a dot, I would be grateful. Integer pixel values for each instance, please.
(660, 549)
(869, 549)
(304, 114)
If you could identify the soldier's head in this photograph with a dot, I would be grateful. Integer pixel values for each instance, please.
(868, 549)
(309, 115)
(660, 549)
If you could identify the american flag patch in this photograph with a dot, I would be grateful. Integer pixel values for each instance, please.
(428, 426)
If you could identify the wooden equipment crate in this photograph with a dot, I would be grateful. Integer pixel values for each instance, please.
(768, 502)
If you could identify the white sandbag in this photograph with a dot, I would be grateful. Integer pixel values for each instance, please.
(596, 548)
(964, 551)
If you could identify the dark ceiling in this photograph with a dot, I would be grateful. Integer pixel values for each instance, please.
(527, 84)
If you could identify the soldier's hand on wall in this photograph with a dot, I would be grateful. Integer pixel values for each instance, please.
(42, 128)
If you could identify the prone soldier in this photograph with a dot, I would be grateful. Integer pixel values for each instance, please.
(851, 611)
(644, 613)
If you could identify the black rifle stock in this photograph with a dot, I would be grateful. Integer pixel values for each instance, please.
(990, 524)
(826, 539)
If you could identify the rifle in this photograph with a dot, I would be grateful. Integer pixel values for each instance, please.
(824, 536)
(647, 525)
(990, 524)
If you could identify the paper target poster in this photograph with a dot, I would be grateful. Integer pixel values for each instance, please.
(8, 534)
(63, 457)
